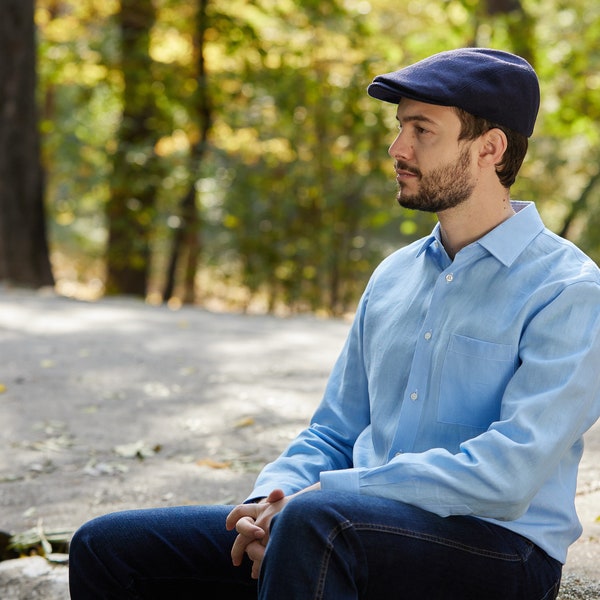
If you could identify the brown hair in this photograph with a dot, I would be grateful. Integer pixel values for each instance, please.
(472, 127)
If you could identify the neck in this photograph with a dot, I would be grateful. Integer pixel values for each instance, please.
(466, 223)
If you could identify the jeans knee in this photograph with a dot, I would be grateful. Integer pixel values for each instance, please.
(81, 539)
(305, 504)
(87, 541)
(307, 511)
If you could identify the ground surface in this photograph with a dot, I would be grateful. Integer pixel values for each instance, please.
(118, 404)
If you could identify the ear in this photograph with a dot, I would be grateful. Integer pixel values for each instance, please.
(492, 147)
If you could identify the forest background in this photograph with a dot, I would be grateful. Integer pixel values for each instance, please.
(225, 152)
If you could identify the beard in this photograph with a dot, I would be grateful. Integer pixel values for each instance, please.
(443, 188)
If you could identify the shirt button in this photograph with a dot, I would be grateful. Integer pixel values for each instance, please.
(427, 335)
(414, 396)
(449, 277)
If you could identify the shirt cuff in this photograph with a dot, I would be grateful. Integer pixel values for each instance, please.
(253, 499)
(345, 480)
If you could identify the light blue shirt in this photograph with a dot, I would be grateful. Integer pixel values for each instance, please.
(465, 386)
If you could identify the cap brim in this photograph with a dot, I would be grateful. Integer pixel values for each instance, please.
(393, 94)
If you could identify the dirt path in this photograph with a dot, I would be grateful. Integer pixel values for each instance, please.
(118, 404)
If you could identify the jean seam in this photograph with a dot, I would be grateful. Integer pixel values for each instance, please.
(327, 556)
(131, 588)
(443, 542)
(552, 591)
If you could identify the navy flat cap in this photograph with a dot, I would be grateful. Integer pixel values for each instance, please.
(498, 86)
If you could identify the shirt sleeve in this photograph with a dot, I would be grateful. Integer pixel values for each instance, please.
(549, 403)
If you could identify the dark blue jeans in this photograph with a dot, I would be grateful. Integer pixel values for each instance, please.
(325, 545)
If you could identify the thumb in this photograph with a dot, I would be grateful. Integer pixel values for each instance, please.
(275, 496)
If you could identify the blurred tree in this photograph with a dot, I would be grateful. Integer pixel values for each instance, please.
(566, 148)
(131, 206)
(310, 204)
(293, 204)
(24, 256)
(80, 91)
(186, 240)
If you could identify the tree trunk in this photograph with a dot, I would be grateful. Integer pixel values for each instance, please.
(130, 209)
(24, 258)
(186, 242)
(580, 206)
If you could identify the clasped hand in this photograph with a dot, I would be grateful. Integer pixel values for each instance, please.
(252, 522)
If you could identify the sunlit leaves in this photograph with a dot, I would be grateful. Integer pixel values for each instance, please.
(297, 169)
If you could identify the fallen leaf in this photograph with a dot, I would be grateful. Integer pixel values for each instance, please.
(10, 477)
(245, 422)
(102, 468)
(58, 558)
(53, 444)
(46, 467)
(2, 388)
(213, 464)
(40, 541)
(137, 449)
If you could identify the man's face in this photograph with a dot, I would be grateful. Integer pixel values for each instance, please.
(433, 169)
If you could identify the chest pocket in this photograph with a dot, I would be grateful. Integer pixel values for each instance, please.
(474, 376)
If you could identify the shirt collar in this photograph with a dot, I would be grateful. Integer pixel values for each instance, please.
(507, 240)
(511, 237)
(434, 237)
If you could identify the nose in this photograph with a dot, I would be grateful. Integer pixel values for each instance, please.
(400, 147)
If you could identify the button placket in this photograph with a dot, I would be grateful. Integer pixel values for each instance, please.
(415, 398)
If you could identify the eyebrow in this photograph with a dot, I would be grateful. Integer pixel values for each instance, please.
(409, 118)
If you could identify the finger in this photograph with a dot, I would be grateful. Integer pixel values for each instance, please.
(248, 533)
(276, 495)
(255, 551)
(256, 569)
(248, 528)
(241, 510)
(239, 549)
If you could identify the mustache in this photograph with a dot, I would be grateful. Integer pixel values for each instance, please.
(402, 166)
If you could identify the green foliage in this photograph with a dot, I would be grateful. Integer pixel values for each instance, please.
(296, 194)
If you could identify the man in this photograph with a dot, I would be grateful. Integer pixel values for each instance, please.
(442, 460)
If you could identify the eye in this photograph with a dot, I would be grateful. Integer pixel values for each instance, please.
(420, 130)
